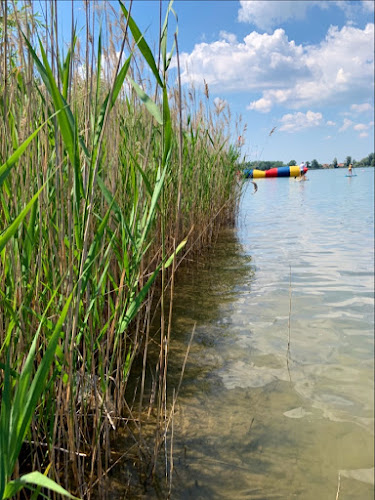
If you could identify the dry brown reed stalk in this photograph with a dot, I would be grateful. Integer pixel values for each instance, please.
(172, 278)
(206, 91)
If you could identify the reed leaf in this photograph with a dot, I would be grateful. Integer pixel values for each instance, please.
(34, 478)
(163, 42)
(13, 159)
(167, 138)
(5, 419)
(136, 302)
(107, 106)
(142, 44)
(171, 258)
(16, 413)
(45, 72)
(27, 395)
(151, 107)
(93, 251)
(10, 231)
(66, 121)
(67, 66)
(150, 214)
(30, 233)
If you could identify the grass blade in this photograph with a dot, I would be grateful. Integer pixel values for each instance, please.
(142, 44)
(11, 230)
(35, 478)
(32, 393)
(147, 101)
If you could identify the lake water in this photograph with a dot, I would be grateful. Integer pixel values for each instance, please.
(256, 419)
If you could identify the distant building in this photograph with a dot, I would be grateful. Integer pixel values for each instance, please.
(341, 164)
(326, 165)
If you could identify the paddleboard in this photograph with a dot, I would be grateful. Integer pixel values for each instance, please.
(353, 175)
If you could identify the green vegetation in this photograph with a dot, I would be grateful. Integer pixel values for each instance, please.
(108, 178)
(368, 161)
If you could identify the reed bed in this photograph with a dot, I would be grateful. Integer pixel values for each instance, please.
(108, 179)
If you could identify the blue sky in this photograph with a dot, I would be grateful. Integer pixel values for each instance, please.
(304, 67)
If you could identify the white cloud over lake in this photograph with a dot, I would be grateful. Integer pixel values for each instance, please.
(361, 108)
(346, 124)
(268, 14)
(279, 72)
(297, 121)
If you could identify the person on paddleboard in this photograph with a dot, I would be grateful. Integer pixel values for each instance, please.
(350, 169)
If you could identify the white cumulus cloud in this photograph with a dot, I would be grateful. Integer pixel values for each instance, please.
(260, 61)
(341, 76)
(266, 15)
(229, 37)
(279, 72)
(350, 9)
(360, 126)
(368, 5)
(361, 108)
(262, 105)
(293, 122)
(346, 124)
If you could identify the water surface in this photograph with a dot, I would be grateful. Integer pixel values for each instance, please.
(255, 419)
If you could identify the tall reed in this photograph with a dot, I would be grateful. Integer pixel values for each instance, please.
(106, 182)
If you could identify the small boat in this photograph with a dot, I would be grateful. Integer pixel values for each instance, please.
(292, 171)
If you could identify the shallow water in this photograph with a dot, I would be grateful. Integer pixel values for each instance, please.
(255, 419)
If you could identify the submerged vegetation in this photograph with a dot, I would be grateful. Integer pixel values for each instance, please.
(107, 180)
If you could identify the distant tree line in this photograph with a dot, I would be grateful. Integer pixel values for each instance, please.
(368, 161)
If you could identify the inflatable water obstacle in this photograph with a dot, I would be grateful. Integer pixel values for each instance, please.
(292, 171)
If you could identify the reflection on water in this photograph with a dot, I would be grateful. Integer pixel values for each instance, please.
(247, 424)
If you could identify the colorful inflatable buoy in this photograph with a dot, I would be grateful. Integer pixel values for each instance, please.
(292, 171)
